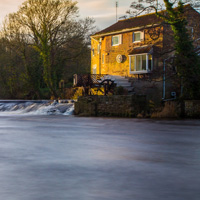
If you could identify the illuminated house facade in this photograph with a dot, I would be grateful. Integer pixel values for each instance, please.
(136, 46)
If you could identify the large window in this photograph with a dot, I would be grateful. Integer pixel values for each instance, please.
(141, 63)
(116, 40)
(138, 36)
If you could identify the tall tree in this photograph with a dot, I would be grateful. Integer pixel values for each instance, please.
(50, 26)
(18, 43)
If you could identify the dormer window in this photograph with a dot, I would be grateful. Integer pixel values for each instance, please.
(138, 36)
(116, 40)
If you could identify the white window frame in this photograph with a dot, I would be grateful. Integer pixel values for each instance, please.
(141, 36)
(119, 39)
(147, 64)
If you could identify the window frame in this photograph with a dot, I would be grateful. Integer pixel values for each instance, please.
(147, 64)
(141, 36)
(119, 40)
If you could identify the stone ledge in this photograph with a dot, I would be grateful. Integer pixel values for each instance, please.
(116, 105)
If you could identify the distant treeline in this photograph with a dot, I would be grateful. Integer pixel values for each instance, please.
(41, 44)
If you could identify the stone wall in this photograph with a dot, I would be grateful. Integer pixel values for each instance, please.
(176, 109)
(117, 105)
(135, 106)
(110, 65)
(192, 108)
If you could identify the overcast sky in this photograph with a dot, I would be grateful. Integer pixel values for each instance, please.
(103, 11)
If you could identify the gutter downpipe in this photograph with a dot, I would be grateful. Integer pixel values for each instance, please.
(164, 79)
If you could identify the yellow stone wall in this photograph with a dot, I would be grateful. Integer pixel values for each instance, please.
(110, 65)
(95, 57)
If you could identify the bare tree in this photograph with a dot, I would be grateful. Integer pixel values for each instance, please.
(139, 7)
(49, 26)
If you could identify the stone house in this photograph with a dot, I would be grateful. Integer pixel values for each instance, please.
(141, 49)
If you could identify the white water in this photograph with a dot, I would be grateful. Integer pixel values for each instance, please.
(35, 108)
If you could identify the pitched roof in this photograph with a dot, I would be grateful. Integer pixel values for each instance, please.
(135, 22)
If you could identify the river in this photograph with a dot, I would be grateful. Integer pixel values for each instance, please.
(63, 157)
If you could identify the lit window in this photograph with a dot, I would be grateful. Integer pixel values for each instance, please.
(116, 40)
(138, 36)
(94, 69)
(98, 48)
(142, 63)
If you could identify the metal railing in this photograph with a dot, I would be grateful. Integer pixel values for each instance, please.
(84, 80)
(88, 81)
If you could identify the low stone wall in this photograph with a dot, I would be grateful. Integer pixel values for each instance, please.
(134, 106)
(116, 105)
(192, 108)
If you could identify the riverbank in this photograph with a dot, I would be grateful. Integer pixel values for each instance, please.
(135, 106)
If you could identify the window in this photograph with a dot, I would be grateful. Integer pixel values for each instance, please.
(150, 62)
(94, 69)
(190, 31)
(92, 51)
(141, 63)
(116, 40)
(98, 48)
(138, 36)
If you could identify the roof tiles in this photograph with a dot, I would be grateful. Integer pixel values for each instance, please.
(135, 22)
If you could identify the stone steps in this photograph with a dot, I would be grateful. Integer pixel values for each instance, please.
(122, 81)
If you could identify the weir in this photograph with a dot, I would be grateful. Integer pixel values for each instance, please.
(37, 107)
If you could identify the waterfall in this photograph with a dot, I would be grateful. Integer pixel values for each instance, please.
(40, 107)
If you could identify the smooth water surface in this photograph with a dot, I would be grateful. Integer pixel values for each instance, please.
(71, 158)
